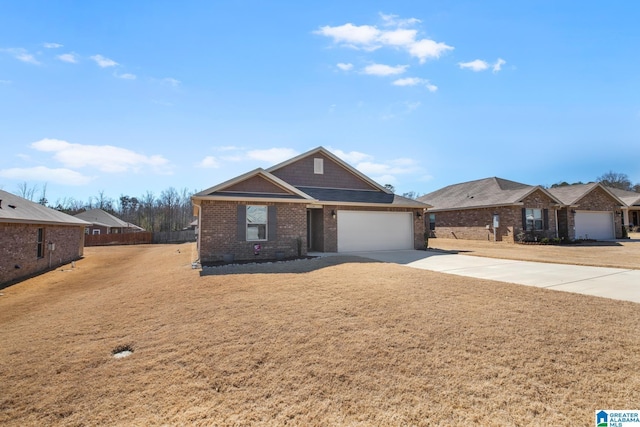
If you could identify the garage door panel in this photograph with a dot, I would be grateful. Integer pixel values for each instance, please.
(594, 225)
(374, 231)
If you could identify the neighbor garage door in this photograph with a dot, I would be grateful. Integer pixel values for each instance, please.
(374, 231)
(594, 225)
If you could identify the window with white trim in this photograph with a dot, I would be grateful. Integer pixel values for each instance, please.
(256, 223)
(534, 219)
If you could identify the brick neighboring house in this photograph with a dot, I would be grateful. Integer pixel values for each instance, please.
(467, 211)
(103, 222)
(35, 238)
(312, 202)
(631, 210)
(590, 211)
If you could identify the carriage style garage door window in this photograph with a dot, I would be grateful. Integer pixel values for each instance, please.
(374, 231)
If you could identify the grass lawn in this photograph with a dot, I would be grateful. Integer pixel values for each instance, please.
(330, 341)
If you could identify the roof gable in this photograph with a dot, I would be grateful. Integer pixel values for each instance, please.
(256, 183)
(630, 198)
(100, 217)
(19, 210)
(479, 193)
(572, 194)
(300, 172)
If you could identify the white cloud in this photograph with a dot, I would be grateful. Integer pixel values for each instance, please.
(344, 67)
(41, 173)
(498, 65)
(171, 81)
(209, 162)
(68, 57)
(52, 45)
(106, 158)
(394, 20)
(272, 155)
(21, 55)
(415, 81)
(126, 76)
(384, 70)
(352, 157)
(359, 37)
(393, 167)
(476, 65)
(399, 37)
(369, 37)
(104, 62)
(428, 49)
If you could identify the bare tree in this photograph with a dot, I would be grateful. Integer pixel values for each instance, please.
(25, 191)
(615, 180)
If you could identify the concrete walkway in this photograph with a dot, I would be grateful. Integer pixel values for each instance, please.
(615, 283)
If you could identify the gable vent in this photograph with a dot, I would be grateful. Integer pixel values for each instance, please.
(318, 166)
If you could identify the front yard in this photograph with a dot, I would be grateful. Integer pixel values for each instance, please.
(332, 341)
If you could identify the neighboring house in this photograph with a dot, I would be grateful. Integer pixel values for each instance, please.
(631, 210)
(492, 209)
(590, 211)
(313, 202)
(104, 223)
(35, 238)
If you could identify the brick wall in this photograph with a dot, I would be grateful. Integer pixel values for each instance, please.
(301, 173)
(18, 247)
(472, 224)
(331, 225)
(256, 184)
(219, 232)
(595, 200)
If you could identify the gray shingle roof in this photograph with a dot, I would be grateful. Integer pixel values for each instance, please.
(483, 192)
(570, 194)
(105, 219)
(16, 209)
(630, 198)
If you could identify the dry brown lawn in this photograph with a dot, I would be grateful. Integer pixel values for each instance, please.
(619, 254)
(331, 341)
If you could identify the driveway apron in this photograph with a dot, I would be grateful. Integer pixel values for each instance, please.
(615, 283)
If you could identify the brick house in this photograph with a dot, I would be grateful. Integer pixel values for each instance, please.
(35, 238)
(312, 202)
(103, 222)
(492, 209)
(631, 210)
(590, 211)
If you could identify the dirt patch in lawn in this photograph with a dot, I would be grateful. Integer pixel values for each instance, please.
(618, 254)
(329, 341)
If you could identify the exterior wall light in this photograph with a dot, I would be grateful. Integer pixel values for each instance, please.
(333, 214)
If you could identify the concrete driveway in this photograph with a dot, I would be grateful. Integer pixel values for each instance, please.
(615, 283)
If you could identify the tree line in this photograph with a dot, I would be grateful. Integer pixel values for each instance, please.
(171, 210)
(610, 179)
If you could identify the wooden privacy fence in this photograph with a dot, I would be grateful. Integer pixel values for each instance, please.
(174, 236)
(141, 238)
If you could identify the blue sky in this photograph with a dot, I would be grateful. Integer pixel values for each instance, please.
(129, 97)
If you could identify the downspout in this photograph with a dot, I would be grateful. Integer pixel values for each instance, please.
(556, 214)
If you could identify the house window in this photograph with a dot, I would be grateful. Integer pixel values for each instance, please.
(534, 219)
(40, 242)
(86, 230)
(256, 223)
(432, 222)
(96, 231)
(318, 166)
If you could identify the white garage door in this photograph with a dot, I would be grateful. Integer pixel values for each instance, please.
(594, 225)
(374, 231)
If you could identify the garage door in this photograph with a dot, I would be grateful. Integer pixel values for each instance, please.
(374, 231)
(594, 225)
